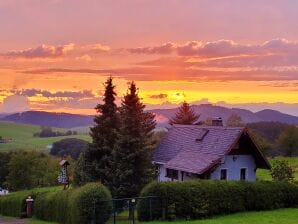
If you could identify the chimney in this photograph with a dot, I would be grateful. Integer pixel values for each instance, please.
(217, 121)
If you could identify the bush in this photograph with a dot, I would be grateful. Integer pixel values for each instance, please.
(282, 171)
(75, 206)
(14, 204)
(198, 199)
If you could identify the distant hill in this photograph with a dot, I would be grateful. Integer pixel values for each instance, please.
(65, 120)
(59, 120)
(209, 110)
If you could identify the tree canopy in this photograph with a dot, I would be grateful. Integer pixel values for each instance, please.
(185, 115)
(133, 152)
(95, 164)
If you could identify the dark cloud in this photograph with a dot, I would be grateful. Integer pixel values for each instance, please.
(42, 51)
(59, 94)
(52, 51)
(221, 48)
(159, 96)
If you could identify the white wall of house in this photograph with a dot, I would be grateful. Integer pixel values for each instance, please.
(233, 164)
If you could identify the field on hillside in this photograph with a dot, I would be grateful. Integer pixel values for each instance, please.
(22, 137)
(265, 174)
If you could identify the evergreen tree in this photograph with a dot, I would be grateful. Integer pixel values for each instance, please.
(95, 164)
(185, 115)
(133, 155)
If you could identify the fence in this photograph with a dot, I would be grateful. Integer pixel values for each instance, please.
(124, 210)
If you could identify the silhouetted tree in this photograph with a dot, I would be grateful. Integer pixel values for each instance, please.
(133, 152)
(185, 115)
(95, 164)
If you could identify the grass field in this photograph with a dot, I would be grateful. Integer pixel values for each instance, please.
(280, 216)
(22, 137)
(265, 174)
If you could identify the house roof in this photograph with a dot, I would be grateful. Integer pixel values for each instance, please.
(196, 149)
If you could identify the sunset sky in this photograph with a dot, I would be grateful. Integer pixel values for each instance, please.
(55, 54)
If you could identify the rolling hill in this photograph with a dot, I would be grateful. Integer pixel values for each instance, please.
(74, 121)
(21, 137)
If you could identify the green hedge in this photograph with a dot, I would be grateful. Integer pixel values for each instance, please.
(14, 203)
(75, 206)
(199, 199)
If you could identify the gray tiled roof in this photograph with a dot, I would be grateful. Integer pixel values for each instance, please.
(183, 147)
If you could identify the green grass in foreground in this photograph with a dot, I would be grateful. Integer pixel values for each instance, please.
(22, 137)
(265, 174)
(280, 216)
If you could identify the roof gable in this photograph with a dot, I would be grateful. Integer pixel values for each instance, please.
(194, 148)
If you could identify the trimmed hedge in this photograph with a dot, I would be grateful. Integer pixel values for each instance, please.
(75, 206)
(14, 204)
(203, 198)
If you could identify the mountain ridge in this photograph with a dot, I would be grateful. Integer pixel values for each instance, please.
(66, 120)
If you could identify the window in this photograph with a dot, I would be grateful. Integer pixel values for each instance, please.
(173, 174)
(223, 174)
(243, 174)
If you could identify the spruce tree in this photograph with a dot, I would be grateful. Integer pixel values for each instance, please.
(95, 164)
(185, 115)
(133, 153)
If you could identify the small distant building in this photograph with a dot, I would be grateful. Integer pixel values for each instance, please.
(208, 152)
(3, 191)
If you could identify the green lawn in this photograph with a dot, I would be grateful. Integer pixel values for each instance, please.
(22, 137)
(265, 174)
(280, 216)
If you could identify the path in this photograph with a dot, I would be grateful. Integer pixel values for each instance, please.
(12, 221)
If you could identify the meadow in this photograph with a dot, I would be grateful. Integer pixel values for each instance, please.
(288, 216)
(22, 137)
(265, 174)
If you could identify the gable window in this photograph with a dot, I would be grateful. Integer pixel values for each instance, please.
(243, 174)
(223, 174)
(173, 174)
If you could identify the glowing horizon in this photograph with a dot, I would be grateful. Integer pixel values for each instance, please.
(194, 51)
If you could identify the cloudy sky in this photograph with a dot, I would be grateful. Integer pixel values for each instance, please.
(55, 54)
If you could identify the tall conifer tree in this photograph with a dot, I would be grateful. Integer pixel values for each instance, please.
(133, 155)
(95, 164)
(185, 115)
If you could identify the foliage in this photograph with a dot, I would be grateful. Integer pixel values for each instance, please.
(31, 169)
(281, 171)
(14, 203)
(75, 206)
(234, 120)
(270, 130)
(132, 157)
(201, 198)
(95, 164)
(48, 132)
(4, 160)
(185, 115)
(69, 146)
(288, 140)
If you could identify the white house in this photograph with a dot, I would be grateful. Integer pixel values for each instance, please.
(3, 191)
(208, 152)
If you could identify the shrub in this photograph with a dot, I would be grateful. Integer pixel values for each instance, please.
(198, 199)
(14, 204)
(282, 171)
(91, 202)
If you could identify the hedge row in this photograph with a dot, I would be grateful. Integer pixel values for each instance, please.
(90, 203)
(14, 203)
(199, 199)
